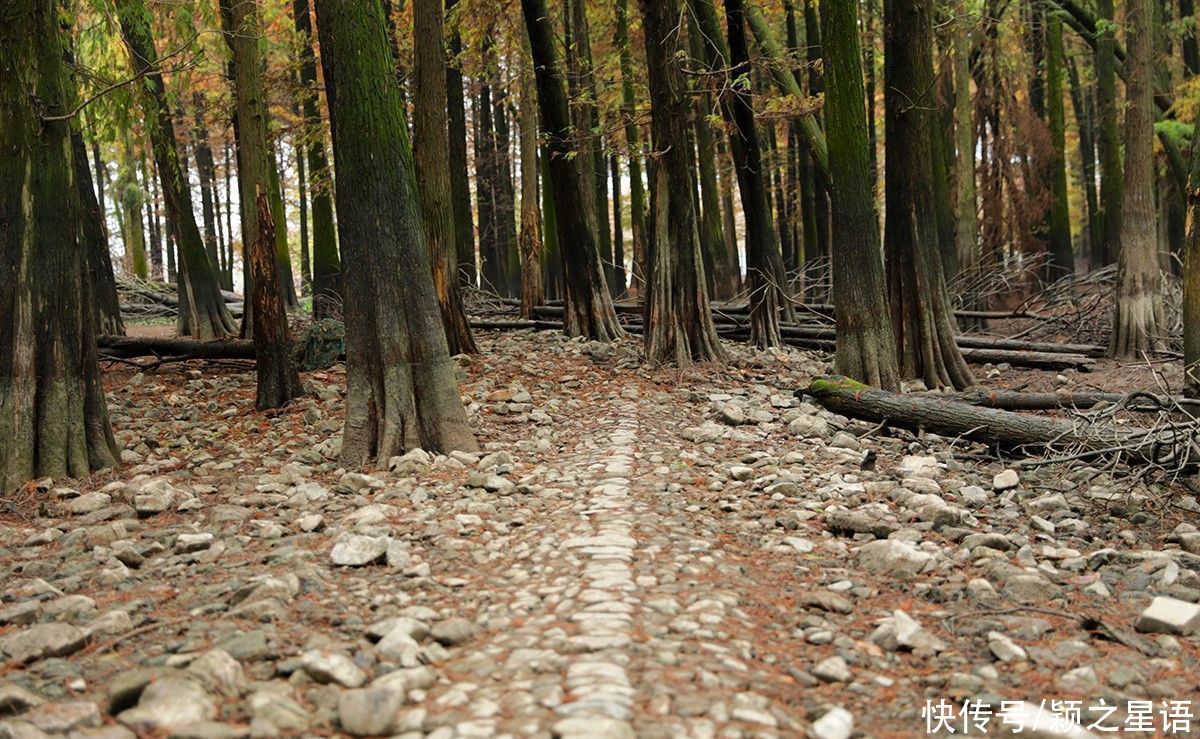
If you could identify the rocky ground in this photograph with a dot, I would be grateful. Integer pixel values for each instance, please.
(634, 554)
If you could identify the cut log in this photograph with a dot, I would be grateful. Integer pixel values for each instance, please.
(1170, 446)
(143, 346)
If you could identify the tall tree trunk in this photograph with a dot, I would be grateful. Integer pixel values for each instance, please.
(712, 233)
(490, 271)
(401, 388)
(816, 86)
(530, 238)
(764, 266)
(725, 178)
(1109, 142)
(588, 306)
(277, 381)
(1062, 257)
(326, 266)
(552, 262)
(128, 198)
(679, 329)
(153, 230)
(1138, 323)
(301, 199)
(53, 417)
(1191, 281)
(1081, 103)
(464, 226)
(864, 331)
(966, 229)
(204, 171)
(102, 282)
(227, 277)
(1191, 48)
(206, 316)
(431, 144)
(283, 256)
(619, 282)
(506, 225)
(633, 145)
(920, 306)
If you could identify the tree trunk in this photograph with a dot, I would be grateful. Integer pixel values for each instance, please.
(431, 145)
(552, 263)
(326, 267)
(712, 233)
(102, 283)
(1109, 142)
(1081, 103)
(53, 416)
(507, 261)
(633, 146)
(490, 272)
(1062, 256)
(128, 198)
(920, 306)
(966, 229)
(277, 379)
(227, 276)
(204, 171)
(301, 198)
(401, 388)
(620, 277)
(864, 332)
(530, 238)
(1191, 283)
(464, 226)
(679, 327)
(725, 179)
(206, 316)
(153, 230)
(763, 263)
(283, 256)
(589, 305)
(1138, 323)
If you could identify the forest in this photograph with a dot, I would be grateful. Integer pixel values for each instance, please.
(599, 368)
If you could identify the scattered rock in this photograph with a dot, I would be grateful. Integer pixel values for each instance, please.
(1167, 615)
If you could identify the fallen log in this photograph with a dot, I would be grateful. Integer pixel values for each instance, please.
(1018, 401)
(1036, 360)
(126, 347)
(1170, 446)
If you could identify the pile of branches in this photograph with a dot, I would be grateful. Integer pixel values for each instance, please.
(149, 299)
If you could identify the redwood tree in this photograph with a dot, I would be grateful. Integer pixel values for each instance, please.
(920, 307)
(864, 329)
(679, 328)
(588, 307)
(53, 417)
(401, 386)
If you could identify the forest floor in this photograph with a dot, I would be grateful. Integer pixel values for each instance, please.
(636, 553)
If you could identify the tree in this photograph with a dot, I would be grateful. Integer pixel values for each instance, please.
(1108, 139)
(202, 309)
(864, 330)
(633, 144)
(326, 267)
(920, 306)
(679, 328)
(1062, 257)
(431, 143)
(966, 230)
(401, 387)
(588, 309)
(53, 416)
(1138, 317)
(278, 381)
(101, 279)
(456, 120)
(1191, 282)
(530, 238)
(764, 264)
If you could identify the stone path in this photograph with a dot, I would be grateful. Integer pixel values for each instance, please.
(649, 555)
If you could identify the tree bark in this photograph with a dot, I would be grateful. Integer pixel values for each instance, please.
(1083, 107)
(128, 199)
(678, 320)
(401, 387)
(966, 228)
(277, 379)
(1138, 314)
(920, 308)
(53, 416)
(431, 144)
(102, 281)
(204, 171)
(589, 305)
(1191, 283)
(205, 316)
(864, 332)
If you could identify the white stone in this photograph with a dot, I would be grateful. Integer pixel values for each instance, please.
(1006, 480)
(837, 723)
(1169, 616)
